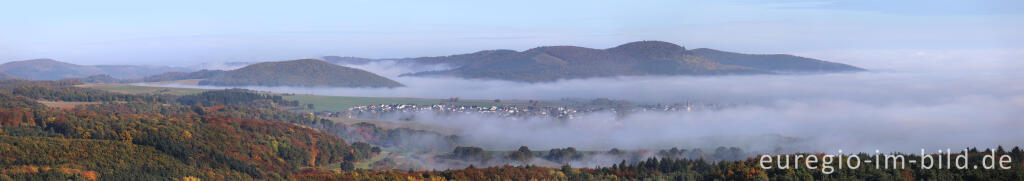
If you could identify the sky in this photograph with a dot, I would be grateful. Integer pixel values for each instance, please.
(188, 32)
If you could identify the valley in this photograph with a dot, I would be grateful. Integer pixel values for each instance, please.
(511, 90)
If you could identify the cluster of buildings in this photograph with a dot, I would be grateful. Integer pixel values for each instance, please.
(385, 111)
(561, 112)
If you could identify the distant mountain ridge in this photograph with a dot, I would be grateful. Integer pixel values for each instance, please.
(568, 62)
(541, 64)
(136, 71)
(49, 69)
(101, 79)
(303, 73)
(550, 63)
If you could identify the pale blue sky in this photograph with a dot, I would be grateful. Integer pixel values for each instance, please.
(190, 32)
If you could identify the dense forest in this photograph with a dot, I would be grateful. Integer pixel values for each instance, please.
(165, 140)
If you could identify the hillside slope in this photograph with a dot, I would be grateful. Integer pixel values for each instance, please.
(49, 69)
(148, 137)
(304, 73)
(773, 62)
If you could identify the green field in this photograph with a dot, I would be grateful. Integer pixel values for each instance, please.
(320, 103)
(365, 164)
(134, 89)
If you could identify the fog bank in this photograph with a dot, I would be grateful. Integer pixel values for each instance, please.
(949, 100)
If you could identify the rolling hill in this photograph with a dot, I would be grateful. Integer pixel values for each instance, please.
(171, 76)
(49, 69)
(303, 73)
(551, 63)
(773, 62)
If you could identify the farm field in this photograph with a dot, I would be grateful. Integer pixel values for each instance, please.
(320, 102)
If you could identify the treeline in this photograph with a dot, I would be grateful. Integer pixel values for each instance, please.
(396, 139)
(66, 91)
(236, 97)
(101, 79)
(563, 156)
(172, 76)
(691, 169)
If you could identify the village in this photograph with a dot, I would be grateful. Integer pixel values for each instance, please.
(515, 111)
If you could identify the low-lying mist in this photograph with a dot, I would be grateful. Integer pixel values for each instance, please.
(783, 126)
(971, 101)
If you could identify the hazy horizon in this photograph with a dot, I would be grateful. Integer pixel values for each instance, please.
(184, 33)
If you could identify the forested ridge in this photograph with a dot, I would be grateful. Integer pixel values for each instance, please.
(641, 58)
